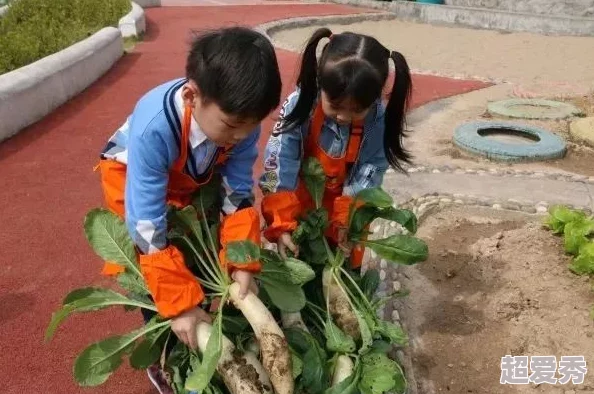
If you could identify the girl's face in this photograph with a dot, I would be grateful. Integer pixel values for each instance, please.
(221, 128)
(343, 112)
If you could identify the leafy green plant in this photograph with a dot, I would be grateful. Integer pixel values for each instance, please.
(577, 230)
(33, 29)
(344, 315)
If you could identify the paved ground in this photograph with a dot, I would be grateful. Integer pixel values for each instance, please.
(538, 63)
(48, 185)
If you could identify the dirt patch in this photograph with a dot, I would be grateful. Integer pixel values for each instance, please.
(275, 356)
(495, 284)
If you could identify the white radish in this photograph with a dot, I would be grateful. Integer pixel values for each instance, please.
(293, 319)
(343, 369)
(339, 306)
(241, 373)
(276, 357)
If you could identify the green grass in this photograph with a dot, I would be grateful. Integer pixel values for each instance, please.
(33, 29)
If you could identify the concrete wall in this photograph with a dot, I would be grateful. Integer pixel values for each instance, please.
(31, 92)
(149, 3)
(484, 18)
(581, 8)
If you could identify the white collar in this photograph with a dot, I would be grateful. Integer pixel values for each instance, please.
(197, 136)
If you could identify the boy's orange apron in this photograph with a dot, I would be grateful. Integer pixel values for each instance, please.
(336, 170)
(180, 188)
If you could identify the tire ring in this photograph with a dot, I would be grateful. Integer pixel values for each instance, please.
(547, 146)
(508, 109)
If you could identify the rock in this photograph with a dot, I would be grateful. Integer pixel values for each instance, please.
(583, 130)
(395, 316)
(396, 286)
(541, 209)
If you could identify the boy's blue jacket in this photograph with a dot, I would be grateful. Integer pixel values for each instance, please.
(148, 143)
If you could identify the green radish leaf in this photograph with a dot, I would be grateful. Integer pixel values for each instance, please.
(98, 361)
(366, 332)
(188, 218)
(108, 236)
(583, 264)
(214, 233)
(362, 217)
(178, 380)
(284, 295)
(207, 195)
(242, 252)
(576, 234)
(298, 339)
(132, 283)
(403, 249)
(200, 377)
(375, 197)
(404, 217)
(559, 216)
(299, 271)
(315, 376)
(314, 178)
(379, 375)
(297, 365)
(393, 332)
(147, 352)
(370, 282)
(336, 340)
(86, 300)
(380, 346)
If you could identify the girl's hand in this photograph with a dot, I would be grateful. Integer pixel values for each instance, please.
(286, 242)
(184, 325)
(246, 282)
(343, 242)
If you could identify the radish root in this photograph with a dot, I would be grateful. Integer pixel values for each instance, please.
(344, 369)
(339, 306)
(238, 371)
(276, 357)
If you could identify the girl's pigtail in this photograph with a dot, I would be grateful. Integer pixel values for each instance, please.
(395, 116)
(307, 81)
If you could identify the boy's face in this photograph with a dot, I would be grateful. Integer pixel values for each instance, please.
(343, 112)
(222, 129)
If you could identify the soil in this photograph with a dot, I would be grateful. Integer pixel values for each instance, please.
(496, 283)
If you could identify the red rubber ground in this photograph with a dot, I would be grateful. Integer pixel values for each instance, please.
(47, 185)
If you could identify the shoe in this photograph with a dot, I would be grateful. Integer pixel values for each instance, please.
(157, 377)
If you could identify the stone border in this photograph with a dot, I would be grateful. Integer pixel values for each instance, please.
(44, 85)
(149, 3)
(134, 23)
(494, 171)
(481, 18)
(558, 110)
(270, 28)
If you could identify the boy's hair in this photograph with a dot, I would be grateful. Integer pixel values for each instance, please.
(237, 69)
(355, 66)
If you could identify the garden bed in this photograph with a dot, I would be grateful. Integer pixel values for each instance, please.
(496, 283)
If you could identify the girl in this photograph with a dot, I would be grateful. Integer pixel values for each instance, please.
(336, 115)
(178, 135)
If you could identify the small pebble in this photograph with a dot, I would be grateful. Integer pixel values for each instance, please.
(373, 255)
(383, 264)
(446, 200)
(458, 202)
(450, 365)
(436, 171)
(382, 275)
(496, 206)
(396, 286)
(541, 209)
(395, 316)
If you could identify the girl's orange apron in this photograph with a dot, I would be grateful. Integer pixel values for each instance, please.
(180, 188)
(335, 169)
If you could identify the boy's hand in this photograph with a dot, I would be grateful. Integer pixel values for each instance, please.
(343, 242)
(184, 325)
(286, 242)
(246, 282)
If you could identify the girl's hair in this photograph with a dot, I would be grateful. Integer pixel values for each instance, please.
(355, 66)
(237, 69)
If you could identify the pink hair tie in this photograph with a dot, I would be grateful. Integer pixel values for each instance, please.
(330, 37)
